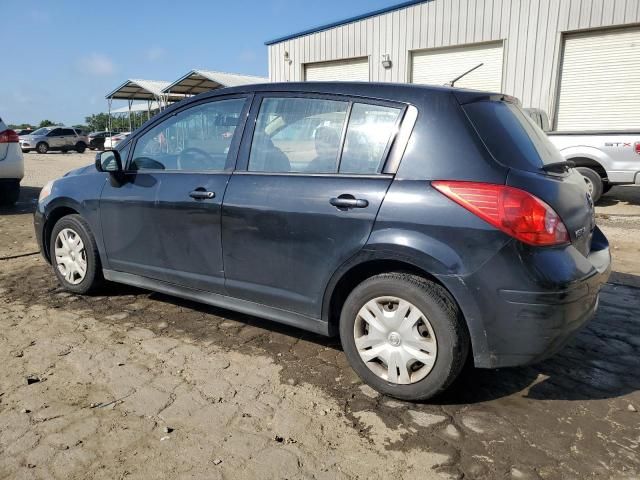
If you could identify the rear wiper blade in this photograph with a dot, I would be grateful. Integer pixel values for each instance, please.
(559, 166)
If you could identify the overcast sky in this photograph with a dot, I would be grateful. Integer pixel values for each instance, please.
(60, 58)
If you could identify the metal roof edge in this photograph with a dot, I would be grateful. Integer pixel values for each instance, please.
(338, 23)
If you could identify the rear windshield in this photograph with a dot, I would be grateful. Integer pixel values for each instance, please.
(511, 136)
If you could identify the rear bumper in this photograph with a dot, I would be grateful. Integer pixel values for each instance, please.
(525, 305)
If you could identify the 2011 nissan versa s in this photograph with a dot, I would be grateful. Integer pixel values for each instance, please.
(421, 224)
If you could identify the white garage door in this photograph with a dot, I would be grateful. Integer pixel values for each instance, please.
(353, 70)
(600, 82)
(440, 66)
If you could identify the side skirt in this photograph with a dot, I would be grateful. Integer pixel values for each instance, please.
(314, 325)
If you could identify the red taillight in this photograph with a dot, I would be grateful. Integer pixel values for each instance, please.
(514, 211)
(637, 146)
(9, 136)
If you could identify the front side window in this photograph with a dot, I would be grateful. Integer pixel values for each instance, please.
(371, 128)
(298, 135)
(196, 139)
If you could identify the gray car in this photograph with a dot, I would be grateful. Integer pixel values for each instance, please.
(58, 138)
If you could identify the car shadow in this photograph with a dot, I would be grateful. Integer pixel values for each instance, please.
(26, 203)
(627, 195)
(600, 362)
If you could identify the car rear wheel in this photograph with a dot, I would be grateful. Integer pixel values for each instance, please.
(9, 192)
(42, 147)
(80, 147)
(594, 182)
(404, 336)
(74, 255)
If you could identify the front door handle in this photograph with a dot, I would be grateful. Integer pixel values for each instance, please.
(346, 202)
(202, 194)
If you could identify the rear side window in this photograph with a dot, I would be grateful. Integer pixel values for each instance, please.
(299, 135)
(511, 136)
(368, 136)
(305, 135)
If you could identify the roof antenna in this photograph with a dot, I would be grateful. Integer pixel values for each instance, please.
(453, 82)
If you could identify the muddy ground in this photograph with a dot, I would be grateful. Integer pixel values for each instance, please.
(132, 384)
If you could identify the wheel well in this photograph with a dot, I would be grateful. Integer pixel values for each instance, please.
(53, 218)
(592, 164)
(358, 274)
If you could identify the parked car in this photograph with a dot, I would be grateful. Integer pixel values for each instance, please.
(48, 139)
(11, 165)
(114, 139)
(24, 131)
(96, 139)
(439, 223)
(604, 158)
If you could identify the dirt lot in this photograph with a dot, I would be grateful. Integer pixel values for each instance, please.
(139, 385)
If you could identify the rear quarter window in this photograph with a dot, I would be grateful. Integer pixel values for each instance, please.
(511, 136)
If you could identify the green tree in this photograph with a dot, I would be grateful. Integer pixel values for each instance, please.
(47, 123)
(22, 126)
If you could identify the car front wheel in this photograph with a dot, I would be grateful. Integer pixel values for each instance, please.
(80, 147)
(404, 336)
(594, 182)
(74, 255)
(42, 147)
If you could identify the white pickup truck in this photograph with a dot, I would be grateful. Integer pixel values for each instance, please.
(604, 158)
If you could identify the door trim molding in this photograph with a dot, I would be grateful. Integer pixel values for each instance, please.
(286, 317)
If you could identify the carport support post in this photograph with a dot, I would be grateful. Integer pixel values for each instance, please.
(130, 101)
(148, 109)
(109, 100)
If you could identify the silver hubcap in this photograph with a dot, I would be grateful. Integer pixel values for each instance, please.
(71, 257)
(589, 185)
(395, 340)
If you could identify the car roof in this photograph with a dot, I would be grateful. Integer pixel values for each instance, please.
(400, 92)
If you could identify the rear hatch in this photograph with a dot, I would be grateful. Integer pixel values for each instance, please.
(535, 165)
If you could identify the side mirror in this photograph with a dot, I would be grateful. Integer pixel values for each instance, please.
(109, 161)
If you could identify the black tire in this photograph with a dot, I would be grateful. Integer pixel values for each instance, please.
(93, 278)
(80, 147)
(443, 314)
(42, 147)
(594, 182)
(606, 187)
(9, 193)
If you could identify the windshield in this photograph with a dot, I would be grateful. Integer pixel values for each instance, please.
(512, 136)
(41, 131)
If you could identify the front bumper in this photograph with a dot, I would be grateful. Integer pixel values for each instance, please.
(526, 304)
(39, 224)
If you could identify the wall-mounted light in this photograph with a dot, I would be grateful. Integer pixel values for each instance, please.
(287, 58)
(386, 61)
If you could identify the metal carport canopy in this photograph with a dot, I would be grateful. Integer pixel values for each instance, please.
(199, 81)
(137, 89)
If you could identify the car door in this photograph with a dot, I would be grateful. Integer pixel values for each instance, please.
(163, 220)
(55, 138)
(68, 139)
(304, 197)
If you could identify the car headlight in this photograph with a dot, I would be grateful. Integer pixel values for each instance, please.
(46, 191)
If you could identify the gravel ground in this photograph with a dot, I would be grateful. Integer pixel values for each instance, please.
(133, 384)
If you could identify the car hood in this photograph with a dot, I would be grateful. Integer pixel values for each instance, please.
(79, 171)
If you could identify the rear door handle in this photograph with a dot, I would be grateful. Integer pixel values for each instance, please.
(202, 194)
(345, 202)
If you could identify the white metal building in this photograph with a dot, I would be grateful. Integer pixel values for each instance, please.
(579, 60)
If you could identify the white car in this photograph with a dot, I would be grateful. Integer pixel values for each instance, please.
(114, 140)
(11, 165)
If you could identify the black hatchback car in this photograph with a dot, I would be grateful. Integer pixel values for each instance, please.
(421, 224)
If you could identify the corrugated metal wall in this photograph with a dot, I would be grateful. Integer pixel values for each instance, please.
(532, 30)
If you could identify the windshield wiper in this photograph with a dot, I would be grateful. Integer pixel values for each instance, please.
(559, 166)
